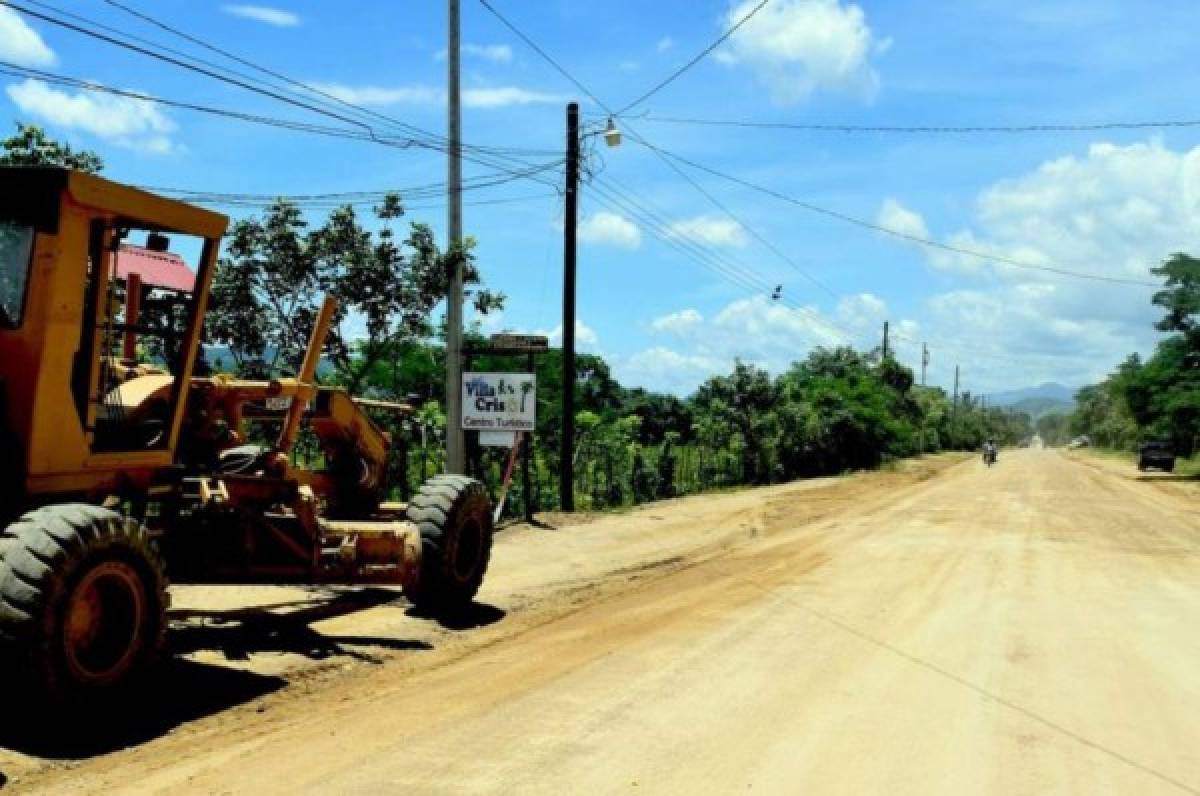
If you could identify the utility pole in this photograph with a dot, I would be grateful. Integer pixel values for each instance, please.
(885, 340)
(924, 361)
(955, 404)
(455, 460)
(566, 469)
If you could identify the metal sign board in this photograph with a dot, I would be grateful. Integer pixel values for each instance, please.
(497, 439)
(499, 401)
(520, 342)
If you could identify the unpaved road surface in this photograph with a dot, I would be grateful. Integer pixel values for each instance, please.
(947, 628)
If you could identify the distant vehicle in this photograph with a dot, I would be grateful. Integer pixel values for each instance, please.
(1156, 455)
(1080, 442)
(989, 453)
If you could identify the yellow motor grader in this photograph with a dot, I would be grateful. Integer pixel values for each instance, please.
(120, 461)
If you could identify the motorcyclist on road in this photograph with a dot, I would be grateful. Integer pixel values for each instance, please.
(989, 451)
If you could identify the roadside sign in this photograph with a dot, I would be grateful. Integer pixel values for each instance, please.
(497, 439)
(520, 342)
(499, 401)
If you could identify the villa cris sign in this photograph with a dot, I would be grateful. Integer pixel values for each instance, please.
(499, 401)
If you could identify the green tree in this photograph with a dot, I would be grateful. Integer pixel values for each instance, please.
(276, 271)
(32, 147)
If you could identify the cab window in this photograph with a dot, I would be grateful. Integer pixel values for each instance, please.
(16, 249)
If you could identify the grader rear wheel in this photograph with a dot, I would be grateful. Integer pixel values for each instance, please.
(454, 516)
(82, 600)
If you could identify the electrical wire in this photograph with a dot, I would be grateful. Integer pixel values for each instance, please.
(304, 87)
(922, 129)
(417, 191)
(667, 158)
(633, 133)
(695, 60)
(413, 136)
(897, 233)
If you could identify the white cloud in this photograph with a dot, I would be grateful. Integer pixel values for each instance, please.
(665, 370)
(664, 44)
(496, 53)
(680, 322)
(585, 336)
(628, 66)
(709, 230)
(1114, 211)
(797, 47)
(21, 44)
(418, 94)
(898, 218)
(504, 96)
(271, 16)
(755, 329)
(1110, 210)
(607, 228)
(128, 122)
(379, 95)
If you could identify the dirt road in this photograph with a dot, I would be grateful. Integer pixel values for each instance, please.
(1029, 628)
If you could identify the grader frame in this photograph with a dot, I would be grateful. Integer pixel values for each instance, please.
(113, 470)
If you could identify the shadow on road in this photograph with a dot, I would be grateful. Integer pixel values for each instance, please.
(182, 690)
(1167, 477)
(472, 616)
(285, 627)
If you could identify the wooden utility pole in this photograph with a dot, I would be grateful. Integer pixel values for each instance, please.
(885, 340)
(924, 361)
(455, 459)
(566, 469)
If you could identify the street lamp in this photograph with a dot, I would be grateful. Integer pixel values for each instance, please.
(566, 470)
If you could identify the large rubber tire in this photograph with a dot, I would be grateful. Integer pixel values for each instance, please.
(83, 601)
(454, 515)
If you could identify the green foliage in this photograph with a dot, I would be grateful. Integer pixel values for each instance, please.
(275, 273)
(1054, 429)
(837, 410)
(32, 147)
(1160, 397)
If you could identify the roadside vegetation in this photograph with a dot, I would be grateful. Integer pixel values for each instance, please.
(835, 411)
(1157, 398)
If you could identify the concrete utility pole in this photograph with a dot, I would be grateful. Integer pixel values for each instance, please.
(885, 339)
(455, 462)
(566, 470)
(955, 404)
(924, 361)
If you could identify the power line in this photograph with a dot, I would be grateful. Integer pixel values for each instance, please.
(545, 56)
(259, 204)
(667, 158)
(414, 136)
(896, 233)
(705, 256)
(424, 190)
(15, 70)
(936, 129)
(183, 64)
(697, 59)
(633, 134)
(304, 87)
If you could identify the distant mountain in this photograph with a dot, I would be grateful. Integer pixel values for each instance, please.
(1038, 407)
(1050, 390)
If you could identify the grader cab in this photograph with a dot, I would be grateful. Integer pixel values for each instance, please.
(124, 458)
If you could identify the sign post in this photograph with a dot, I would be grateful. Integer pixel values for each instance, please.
(499, 401)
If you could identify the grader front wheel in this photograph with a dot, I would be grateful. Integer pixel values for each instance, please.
(83, 600)
(454, 516)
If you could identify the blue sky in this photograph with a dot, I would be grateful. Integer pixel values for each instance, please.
(1109, 203)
